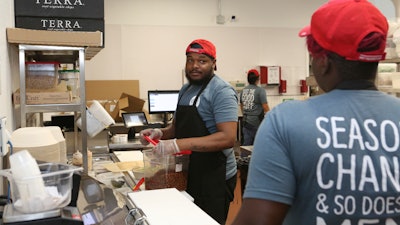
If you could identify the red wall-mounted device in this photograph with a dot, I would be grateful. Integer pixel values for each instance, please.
(282, 86)
(303, 86)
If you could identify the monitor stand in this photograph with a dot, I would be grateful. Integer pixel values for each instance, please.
(165, 119)
(131, 133)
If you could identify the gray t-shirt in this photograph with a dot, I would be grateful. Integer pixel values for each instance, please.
(335, 158)
(252, 97)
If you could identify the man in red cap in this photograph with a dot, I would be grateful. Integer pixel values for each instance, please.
(205, 122)
(253, 103)
(334, 158)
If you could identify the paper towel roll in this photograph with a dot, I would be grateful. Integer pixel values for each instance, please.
(97, 118)
(98, 111)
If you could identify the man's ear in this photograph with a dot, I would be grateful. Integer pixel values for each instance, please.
(326, 64)
(323, 65)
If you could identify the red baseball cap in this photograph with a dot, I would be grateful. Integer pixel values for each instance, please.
(339, 26)
(253, 71)
(207, 48)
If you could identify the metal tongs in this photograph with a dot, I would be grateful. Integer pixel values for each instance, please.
(151, 141)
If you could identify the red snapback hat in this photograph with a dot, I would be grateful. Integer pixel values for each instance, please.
(207, 48)
(340, 25)
(253, 71)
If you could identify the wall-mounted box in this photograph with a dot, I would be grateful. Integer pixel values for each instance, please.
(91, 9)
(270, 75)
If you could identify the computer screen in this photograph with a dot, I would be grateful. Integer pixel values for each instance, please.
(134, 119)
(162, 101)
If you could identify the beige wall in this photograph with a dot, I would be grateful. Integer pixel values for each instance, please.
(145, 40)
(6, 62)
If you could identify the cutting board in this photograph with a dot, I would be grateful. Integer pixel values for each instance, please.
(124, 156)
(169, 207)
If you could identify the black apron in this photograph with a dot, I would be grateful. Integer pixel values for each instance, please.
(207, 170)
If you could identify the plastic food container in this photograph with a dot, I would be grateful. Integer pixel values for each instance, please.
(41, 75)
(72, 80)
(54, 184)
(168, 171)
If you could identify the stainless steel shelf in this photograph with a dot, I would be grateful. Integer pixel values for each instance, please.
(52, 108)
(64, 55)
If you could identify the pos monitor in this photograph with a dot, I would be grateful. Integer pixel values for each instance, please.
(162, 102)
(133, 120)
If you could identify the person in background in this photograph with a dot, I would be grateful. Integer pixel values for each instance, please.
(254, 105)
(205, 122)
(334, 158)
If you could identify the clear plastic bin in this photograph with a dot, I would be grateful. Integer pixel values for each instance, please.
(168, 171)
(72, 80)
(41, 75)
(57, 180)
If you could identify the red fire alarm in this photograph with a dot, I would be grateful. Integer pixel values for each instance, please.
(303, 86)
(282, 86)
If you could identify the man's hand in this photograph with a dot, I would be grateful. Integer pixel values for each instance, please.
(167, 147)
(154, 134)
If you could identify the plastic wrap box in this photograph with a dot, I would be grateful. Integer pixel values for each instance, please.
(44, 97)
(91, 9)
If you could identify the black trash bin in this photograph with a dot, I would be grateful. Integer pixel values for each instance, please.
(243, 167)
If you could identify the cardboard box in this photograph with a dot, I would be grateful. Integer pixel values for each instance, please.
(93, 9)
(114, 108)
(93, 41)
(110, 89)
(45, 97)
(126, 103)
(118, 96)
(134, 104)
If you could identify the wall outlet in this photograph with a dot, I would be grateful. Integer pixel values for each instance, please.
(3, 136)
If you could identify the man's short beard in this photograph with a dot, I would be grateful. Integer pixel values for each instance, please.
(199, 82)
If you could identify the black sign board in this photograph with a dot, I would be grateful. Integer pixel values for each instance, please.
(90, 9)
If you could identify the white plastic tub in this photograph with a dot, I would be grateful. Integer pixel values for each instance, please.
(57, 180)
